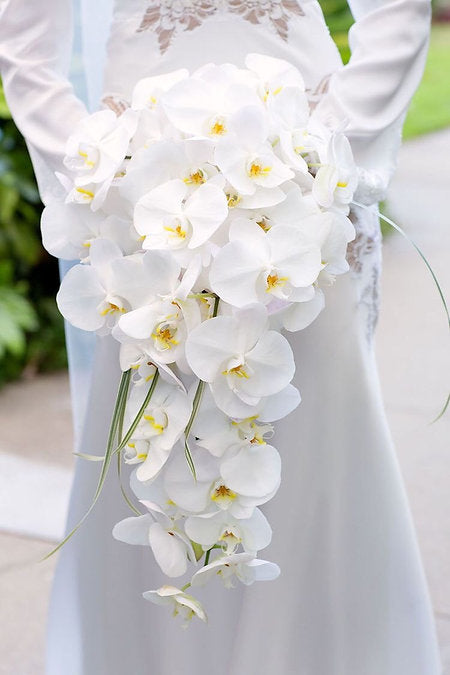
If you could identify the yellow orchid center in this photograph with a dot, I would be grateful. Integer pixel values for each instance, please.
(165, 336)
(258, 438)
(112, 309)
(274, 92)
(88, 162)
(177, 231)
(218, 128)
(195, 178)
(342, 185)
(256, 170)
(230, 539)
(233, 200)
(239, 371)
(263, 224)
(223, 494)
(274, 281)
(159, 428)
(139, 455)
(88, 194)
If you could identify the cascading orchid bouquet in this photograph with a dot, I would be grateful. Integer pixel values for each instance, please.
(207, 218)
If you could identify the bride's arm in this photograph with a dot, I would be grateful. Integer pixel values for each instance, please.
(35, 48)
(389, 43)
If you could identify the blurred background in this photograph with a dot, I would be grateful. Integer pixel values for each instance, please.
(412, 348)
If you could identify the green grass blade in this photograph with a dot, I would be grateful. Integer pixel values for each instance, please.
(398, 229)
(196, 404)
(119, 460)
(122, 489)
(119, 408)
(141, 411)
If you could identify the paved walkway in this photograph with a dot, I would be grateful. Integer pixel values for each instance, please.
(414, 355)
(414, 362)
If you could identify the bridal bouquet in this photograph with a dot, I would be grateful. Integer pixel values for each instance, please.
(207, 220)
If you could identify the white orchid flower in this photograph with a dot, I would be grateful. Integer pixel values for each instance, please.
(241, 360)
(289, 113)
(246, 158)
(96, 151)
(216, 432)
(164, 323)
(277, 406)
(91, 194)
(169, 218)
(189, 494)
(252, 470)
(336, 179)
(299, 315)
(289, 210)
(209, 493)
(221, 528)
(181, 603)
(153, 124)
(170, 545)
(189, 160)
(163, 423)
(154, 491)
(273, 74)
(243, 566)
(331, 231)
(147, 92)
(133, 355)
(203, 104)
(69, 229)
(258, 267)
(93, 297)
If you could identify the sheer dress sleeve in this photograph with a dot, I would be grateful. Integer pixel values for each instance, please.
(370, 95)
(35, 50)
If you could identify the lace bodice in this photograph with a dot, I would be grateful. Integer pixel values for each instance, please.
(149, 36)
(169, 17)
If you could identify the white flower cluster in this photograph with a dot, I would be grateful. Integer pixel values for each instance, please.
(207, 219)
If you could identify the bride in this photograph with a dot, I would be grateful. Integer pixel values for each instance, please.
(351, 599)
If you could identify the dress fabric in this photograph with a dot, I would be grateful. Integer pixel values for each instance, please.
(352, 597)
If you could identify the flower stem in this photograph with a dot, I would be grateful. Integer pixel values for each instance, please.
(207, 556)
(433, 276)
(139, 415)
(196, 403)
(119, 457)
(186, 586)
(119, 409)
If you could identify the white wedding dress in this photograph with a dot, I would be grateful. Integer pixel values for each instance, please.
(351, 599)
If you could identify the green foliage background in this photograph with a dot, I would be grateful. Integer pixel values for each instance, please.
(31, 330)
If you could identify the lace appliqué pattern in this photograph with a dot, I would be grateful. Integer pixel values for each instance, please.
(115, 103)
(168, 17)
(364, 258)
(314, 95)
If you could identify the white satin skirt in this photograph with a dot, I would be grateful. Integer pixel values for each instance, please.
(351, 598)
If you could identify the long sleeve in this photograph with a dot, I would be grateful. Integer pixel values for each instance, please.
(35, 48)
(370, 95)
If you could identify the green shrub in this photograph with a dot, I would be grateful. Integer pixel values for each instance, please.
(339, 19)
(31, 330)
